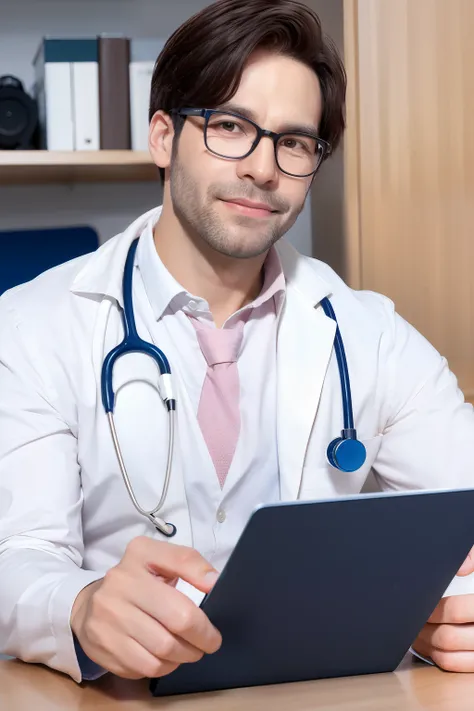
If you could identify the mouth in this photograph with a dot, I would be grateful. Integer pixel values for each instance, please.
(249, 208)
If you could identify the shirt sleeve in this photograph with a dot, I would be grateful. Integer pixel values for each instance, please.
(41, 543)
(90, 671)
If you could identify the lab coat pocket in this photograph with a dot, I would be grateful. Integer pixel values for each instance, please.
(324, 481)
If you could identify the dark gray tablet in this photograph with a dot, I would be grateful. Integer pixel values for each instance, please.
(329, 588)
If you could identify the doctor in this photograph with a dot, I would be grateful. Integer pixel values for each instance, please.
(87, 580)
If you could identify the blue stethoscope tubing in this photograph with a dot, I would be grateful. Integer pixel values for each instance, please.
(345, 453)
(132, 343)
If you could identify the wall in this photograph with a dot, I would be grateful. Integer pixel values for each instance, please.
(327, 198)
(108, 208)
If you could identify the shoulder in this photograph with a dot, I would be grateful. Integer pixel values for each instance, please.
(368, 320)
(375, 335)
(45, 295)
(315, 279)
(49, 301)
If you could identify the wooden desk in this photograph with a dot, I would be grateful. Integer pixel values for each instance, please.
(414, 686)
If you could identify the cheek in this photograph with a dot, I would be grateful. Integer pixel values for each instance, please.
(293, 189)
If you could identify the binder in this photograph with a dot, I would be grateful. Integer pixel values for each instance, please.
(67, 93)
(53, 92)
(143, 56)
(114, 92)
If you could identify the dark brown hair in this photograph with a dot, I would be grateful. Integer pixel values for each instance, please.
(201, 64)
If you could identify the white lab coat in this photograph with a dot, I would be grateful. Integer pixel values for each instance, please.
(65, 517)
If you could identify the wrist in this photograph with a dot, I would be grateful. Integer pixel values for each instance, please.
(80, 606)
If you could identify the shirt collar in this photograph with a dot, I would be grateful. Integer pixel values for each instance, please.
(274, 284)
(163, 290)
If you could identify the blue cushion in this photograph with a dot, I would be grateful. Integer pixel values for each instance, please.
(26, 253)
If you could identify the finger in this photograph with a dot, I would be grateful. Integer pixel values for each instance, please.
(448, 638)
(468, 566)
(157, 640)
(454, 661)
(177, 614)
(145, 664)
(449, 661)
(456, 609)
(172, 561)
(128, 659)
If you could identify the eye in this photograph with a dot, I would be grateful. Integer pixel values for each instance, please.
(294, 144)
(228, 126)
(225, 125)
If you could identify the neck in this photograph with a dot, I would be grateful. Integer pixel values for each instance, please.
(226, 283)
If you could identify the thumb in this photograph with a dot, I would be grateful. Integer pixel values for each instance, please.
(468, 566)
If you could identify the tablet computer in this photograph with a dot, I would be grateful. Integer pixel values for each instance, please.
(329, 588)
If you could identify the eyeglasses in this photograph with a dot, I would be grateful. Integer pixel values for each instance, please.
(230, 135)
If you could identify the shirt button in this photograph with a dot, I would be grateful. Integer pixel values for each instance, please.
(221, 516)
(192, 305)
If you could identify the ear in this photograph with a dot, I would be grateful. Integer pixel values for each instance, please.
(160, 139)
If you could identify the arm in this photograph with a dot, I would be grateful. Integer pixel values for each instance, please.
(41, 545)
(130, 619)
(428, 444)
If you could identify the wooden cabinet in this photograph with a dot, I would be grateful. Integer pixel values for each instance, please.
(409, 165)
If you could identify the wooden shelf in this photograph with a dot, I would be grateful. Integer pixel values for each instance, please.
(23, 167)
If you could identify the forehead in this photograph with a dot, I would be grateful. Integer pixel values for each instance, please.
(279, 90)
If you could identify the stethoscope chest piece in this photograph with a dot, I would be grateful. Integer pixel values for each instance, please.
(346, 453)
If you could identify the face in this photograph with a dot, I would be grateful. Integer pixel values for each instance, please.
(205, 190)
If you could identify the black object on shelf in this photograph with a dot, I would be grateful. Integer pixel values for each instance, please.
(18, 116)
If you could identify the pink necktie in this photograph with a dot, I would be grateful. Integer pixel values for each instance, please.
(219, 405)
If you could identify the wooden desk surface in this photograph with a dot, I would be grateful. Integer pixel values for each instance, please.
(414, 686)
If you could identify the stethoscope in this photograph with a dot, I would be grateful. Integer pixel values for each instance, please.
(345, 453)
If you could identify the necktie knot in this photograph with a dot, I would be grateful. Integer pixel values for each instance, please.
(219, 345)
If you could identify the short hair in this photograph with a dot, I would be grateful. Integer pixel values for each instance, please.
(202, 62)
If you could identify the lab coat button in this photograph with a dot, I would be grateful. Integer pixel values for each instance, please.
(221, 515)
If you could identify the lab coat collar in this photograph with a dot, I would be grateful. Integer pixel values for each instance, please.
(103, 272)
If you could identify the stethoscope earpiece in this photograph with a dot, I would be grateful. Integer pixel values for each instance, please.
(167, 529)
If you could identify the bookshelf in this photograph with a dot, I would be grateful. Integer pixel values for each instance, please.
(36, 167)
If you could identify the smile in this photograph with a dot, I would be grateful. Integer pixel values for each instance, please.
(245, 207)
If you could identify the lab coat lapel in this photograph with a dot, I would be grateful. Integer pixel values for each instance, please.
(103, 272)
(304, 347)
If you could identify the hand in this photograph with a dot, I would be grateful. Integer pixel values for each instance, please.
(134, 623)
(448, 636)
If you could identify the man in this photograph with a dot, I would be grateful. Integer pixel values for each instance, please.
(247, 100)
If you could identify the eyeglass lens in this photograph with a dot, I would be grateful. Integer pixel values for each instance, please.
(232, 137)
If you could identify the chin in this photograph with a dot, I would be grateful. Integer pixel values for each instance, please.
(247, 242)
(243, 251)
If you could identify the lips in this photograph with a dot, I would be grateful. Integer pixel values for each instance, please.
(251, 204)
(249, 208)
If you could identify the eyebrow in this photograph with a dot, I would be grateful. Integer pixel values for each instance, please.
(284, 128)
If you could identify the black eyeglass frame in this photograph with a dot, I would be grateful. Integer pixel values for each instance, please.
(261, 132)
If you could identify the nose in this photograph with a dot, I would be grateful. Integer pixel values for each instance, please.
(260, 166)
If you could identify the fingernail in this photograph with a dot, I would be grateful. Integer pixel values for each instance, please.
(211, 577)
